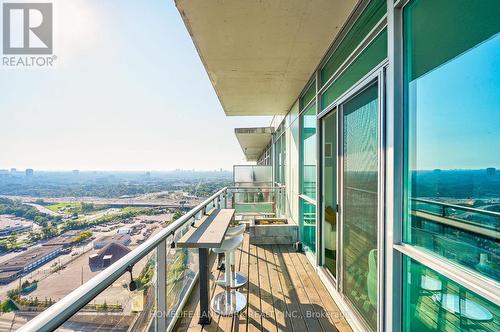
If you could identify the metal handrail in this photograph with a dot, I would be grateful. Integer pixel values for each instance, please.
(244, 188)
(458, 207)
(61, 311)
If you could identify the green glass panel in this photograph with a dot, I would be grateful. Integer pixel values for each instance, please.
(283, 159)
(360, 183)
(438, 31)
(264, 207)
(432, 302)
(280, 159)
(280, 156)
(375, 53)
(372, 14)
(452, 61)
(330, 191)
(308, 132)
(308, 225)
(308, 95)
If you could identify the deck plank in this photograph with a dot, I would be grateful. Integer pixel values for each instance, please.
(254, 321)
(314, 299)
(284, 294)
(266, 297)
(283, 322)
(334, 314)
(289, 293)
(241, 321)
(306, 307)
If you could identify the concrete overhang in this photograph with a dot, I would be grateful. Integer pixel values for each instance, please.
(259, 54)
(253, 141)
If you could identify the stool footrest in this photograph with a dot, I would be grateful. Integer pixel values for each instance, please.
(229, 303)
(239, 280)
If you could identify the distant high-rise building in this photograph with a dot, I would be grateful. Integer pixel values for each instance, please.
(148, 174)
(29, 171)
(490, 171)
(4, 171)
(76, 172)
(13, 170)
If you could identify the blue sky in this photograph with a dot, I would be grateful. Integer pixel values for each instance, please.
(458, 111)
(129, 92)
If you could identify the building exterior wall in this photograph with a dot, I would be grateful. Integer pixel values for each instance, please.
(371, 49)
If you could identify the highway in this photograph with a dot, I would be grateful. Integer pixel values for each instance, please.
(111, 202)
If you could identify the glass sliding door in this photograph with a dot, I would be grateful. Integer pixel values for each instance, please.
(329, 184)
(359, 206)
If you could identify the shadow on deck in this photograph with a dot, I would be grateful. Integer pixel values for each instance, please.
(284, 293)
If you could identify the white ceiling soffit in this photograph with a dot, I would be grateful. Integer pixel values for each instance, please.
(259, 54)
(253, 141)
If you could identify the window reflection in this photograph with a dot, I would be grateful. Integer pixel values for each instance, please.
(330, 191)
(308, 226)
(308, 133)
(453, 128)
(435, 303)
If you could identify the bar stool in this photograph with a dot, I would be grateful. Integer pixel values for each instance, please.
(232, 231)
(230, 302)
(239, 279)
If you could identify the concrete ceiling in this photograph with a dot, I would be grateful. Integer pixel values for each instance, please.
(259, 54)
(253, 141)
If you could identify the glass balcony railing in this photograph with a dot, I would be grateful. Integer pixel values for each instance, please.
(255, 194)
(147, 288)
(162, 276)
(464, 235)
(257, 201)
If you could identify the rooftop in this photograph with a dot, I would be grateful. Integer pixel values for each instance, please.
(26, 258)
(62, 240)
(10, 221)
(114, 237)
(112, 251)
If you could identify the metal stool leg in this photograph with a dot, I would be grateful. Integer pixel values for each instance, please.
(229, 302)
(237, 279)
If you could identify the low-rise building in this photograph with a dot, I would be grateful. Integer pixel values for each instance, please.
(10, 224)
(107, 255)
(101, 242)
(62, 240)
(27, 261)
(124, 230)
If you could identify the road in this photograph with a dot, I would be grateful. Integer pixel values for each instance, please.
(113, 202)
(43, 209)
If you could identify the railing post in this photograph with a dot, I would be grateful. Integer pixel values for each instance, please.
(161, 288)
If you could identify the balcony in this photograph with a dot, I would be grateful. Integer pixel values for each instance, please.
(284, 294)
(283, 290)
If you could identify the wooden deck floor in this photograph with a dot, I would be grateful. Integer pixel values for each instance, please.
(284, 293)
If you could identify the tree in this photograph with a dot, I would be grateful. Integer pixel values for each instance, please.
(87, 207)
(12, 240)
(177, 214)
(83, 236)
(49, 231)
(4, 246)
